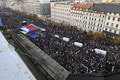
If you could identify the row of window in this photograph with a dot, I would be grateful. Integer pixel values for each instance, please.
(59, 6)
(113, 31)
(62, 9)
(61, 13)
(93, 28)
(102, 16)
(113, 18)
(117, 25)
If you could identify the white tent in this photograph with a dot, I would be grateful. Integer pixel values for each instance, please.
(42, 29)
(24, 29)
(99, 51)
(66, 39)
(78, 44)
(57, 36)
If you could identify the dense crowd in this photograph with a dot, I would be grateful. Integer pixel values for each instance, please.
(78, 59)
(75, 59)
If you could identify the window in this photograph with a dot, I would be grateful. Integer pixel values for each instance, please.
(98, 24)
(91, 23)
(113, 18)
(99, 19)
(109, 18)
(106, 29)
(95, 19)
(107, 23)
(116, 25)
(97, 29)
(118, 19)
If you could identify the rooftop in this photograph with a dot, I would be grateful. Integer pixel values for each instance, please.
(107, 7)
(11, 65)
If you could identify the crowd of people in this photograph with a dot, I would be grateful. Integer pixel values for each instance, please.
(75, 59)
(78, 59)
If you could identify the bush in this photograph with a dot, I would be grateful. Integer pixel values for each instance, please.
(99, 35)
(117, 40)
(89, 33)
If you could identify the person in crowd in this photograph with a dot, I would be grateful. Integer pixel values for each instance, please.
(75, 59)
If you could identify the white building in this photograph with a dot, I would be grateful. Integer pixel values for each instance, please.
(112, 11)
(82, 16)
(29, 7)
(38, 7)
(79, 15)
(60, 12)
(112, 23)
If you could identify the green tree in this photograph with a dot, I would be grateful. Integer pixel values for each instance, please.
(89, 33)
(117, 40)
(99, 35)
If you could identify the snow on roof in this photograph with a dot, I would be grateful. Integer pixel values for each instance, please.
(11, 65)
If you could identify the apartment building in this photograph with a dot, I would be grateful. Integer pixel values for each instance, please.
(79, 15)
(88, 16)
(60, 12)
(39, 8)
(112, 23)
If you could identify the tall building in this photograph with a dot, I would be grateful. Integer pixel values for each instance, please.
(88, 16)
(83, 17)
(60, 12)
(39, 7)
(112, 11)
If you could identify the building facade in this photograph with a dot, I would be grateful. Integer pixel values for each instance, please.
(84, 16)
(60, 12)
(38, 7)
(112, 23)
(79, 15)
